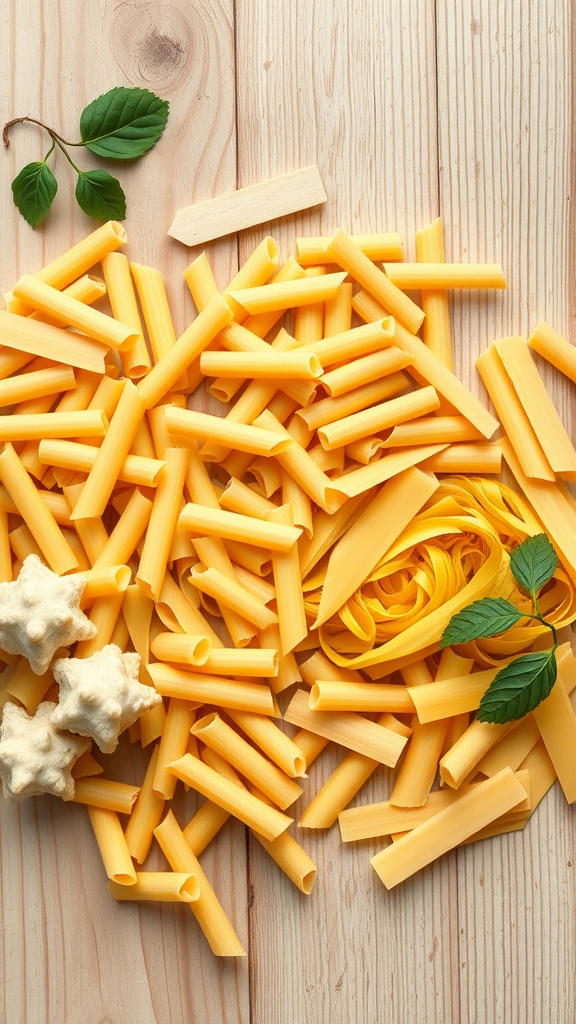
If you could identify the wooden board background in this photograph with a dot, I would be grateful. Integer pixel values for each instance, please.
(410, 108)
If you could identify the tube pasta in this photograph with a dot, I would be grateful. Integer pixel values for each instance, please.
(35, 426)
(136, 361)
(343, 251)
(36, 384)
(379, 417)
(448, 828)
(436, 329)
(290, 603)
(271, 365)
(162, 523)
(54, 343)
(159, 886)
(338, 695)
(266, 820)
(107, 794)
(146, 814)
(76, 260)
(112, 845)
(271, 297)
(251, 764)
(232, 526)
(207, 909)
(364, 370)
(377, 247)
(35, 513)
(180, 717)
(233, 595)
(554, 348)
(127, 533)
(350, 730)
(70, 311)
(240, 436)
(204, 689)
(82, 458)
(282, 750)
(331, 410)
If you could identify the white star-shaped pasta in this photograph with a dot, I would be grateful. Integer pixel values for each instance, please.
(34, 757)
(101, 696)
(40, 612)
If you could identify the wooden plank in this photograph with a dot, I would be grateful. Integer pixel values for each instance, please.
(69, 952)
(504, 130)
(247, 207)
(352, 88)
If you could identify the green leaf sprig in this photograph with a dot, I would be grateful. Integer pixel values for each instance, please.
(521, 685)
(122, 124)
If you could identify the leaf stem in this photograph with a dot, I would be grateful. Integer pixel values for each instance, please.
(58, 142)
(32, 120)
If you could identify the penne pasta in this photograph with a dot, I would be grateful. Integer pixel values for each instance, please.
(159, 886)
(436, 329)
(379, 417)
(426, 275)
(377, 247)
(232, 526)
(204, 689)
(270, 365)
(105, 793)
(112, 845)
(269, 298)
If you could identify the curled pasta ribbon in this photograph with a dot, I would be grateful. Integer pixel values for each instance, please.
(457, 550)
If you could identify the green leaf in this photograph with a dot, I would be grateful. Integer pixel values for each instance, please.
(122, 124)
(533, 562)
(34, 190)
(519, 687)
(487, 617)
(100, 195)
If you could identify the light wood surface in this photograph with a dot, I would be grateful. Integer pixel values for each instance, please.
(410, 109)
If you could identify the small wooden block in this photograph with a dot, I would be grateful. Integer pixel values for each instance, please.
(247, 207)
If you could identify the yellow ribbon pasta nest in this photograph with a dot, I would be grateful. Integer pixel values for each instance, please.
(455, 551)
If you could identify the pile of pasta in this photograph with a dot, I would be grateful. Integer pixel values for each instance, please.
(302, 547)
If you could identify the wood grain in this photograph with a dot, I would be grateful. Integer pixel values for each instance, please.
(411, 109)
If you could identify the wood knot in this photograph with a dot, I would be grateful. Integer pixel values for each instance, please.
(152, 43)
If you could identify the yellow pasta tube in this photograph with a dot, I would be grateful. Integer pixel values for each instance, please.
(251, 661)
(239, 436)
(434, 371)
(146, 814)
(87, 289)
(35, 426)
(268, 298)
(427, 275)
(76, 260)
(344, 783)
(54, 343)
(104, 615)
(266, 820)
(270, 365)
(536, 403)
(451, 826)
(309, 319)
(297, 462)
(377, 247)
(338, 311)
(458, 762)
(156, 311)
(289, 598)
(105, 793)
(201, 282)
(116, 268)
(181, 647)
(158, 886)
(556, 722)
(364, 370)
(475, 458)
(207, 909)
(36, 384)
(127, 533)
(23, 544)
(432, 430)
(251, 764)
(82, 457)
(115, 447)
(343, 251)
(73, 313)
(239, 497)
(180, 717)
(112, 579)
(378, 417)
(446, 697)
(35, 513)
(348, 729)
(162, 524)
(554, 348)
(5, 556)
(182, 353)
(112, 845)
(339, 695)
(203, 689)
(329, 410)
(355, 342)
(356, 481)
(385, 819)
(436, 329)
(234, 595)
(204, 825)
(230, 525)
(282, 750)
(177, 614)
(27, 687)
(512, 750)
(371, 534)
